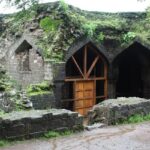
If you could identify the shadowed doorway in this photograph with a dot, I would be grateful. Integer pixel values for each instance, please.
(132, 72)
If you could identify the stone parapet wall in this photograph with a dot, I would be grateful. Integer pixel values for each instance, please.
(43, 101)
(115, 110)
(29, 124)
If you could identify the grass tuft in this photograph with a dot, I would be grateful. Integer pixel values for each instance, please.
(54, 134)
(135, 119)
(3, 143)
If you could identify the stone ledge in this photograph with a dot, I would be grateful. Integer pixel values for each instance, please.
(114, 110)
(28, 124)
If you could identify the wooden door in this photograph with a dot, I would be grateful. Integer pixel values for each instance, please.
(84, 92)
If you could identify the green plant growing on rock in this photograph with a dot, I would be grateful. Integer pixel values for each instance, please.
(137, 118)
(100, 37)
(41, 88)
(51, 134)
(54, 134)
(128, 37)
(89, 29)
(3, 143)
(48, 24)
(64, 6)
(6, 83)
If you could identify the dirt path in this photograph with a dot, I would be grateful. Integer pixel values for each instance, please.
(125, 137)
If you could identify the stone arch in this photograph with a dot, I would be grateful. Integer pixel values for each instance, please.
(86, 65)
(77, 45)
(25, 62)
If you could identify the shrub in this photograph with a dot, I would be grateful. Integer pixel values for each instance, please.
(48, 24)
(129, 37)
(64, 6)
(89, 29)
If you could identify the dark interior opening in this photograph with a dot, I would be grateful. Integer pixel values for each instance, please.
(99, 91)
(129, 81)
(24, 46)
(67, 96)
(72, 70)
(130, 66)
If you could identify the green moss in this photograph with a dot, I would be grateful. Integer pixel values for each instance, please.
(39, 89)
(48, 24)
(39, 93)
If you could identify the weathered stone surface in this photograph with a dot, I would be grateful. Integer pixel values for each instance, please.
(43, 101)
(28, 124)
(114, 110)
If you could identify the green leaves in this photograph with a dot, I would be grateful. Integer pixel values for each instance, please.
(100, 37)
(64, 6)
(89, 29)
(129, 37)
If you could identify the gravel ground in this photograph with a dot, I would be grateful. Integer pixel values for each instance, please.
(124, 137)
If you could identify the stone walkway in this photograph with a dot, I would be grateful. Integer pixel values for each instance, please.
(125, 137)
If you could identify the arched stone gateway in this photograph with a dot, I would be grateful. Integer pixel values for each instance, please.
(85, 82)
(132, 72)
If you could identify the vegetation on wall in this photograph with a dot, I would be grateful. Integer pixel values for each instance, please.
(135, 119)
(41, 88)
(64, 6)
(129, 36)
(48, 24)
(62, 24)
(5, 82)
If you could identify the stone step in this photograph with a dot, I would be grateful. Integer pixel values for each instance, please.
(95, 126)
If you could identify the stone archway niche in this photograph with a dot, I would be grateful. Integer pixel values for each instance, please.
(133, 72)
